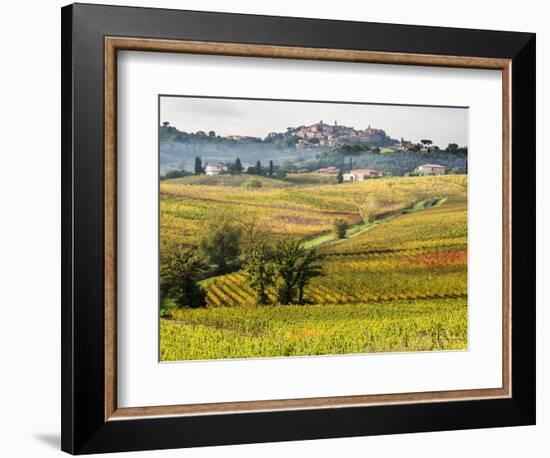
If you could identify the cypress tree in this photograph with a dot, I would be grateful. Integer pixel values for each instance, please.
(238, 166)
(198, 166)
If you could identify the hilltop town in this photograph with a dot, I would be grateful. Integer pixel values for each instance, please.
(323, 134)
(307, 148)
(315, 135)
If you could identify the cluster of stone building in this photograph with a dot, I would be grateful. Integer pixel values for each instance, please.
(323, 134)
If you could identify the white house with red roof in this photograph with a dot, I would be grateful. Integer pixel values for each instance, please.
(361, 174)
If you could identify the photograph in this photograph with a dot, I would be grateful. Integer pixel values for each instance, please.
(303, 228)
(275, 227)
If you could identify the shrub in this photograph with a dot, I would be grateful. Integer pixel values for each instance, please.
(339, 227)
(175, 174)
(369, 210)
(252, 184)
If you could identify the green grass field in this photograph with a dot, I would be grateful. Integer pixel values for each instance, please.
(397, 282)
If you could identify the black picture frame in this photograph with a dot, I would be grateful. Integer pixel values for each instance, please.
(84, 428)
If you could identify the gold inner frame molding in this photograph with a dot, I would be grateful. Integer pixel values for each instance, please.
(114, 44)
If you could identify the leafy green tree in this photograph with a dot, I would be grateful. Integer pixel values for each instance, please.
(340, 177)
(198, 166)
(294, 267)
(307, 269)
(270, 172)
(427, 144)
(221, 243)
(339, 227)
(259, 271)
(251, 234)
(258, 168)
(452, 147)
(285, 259)
(179, 273)
(212, 134)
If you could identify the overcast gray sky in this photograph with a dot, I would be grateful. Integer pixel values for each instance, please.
(259, 117)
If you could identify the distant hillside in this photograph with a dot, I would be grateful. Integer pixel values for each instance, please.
(181, 155)
(306, 148)
(178, 148)
(396, 163)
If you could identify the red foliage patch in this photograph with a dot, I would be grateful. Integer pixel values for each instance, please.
(440, 258)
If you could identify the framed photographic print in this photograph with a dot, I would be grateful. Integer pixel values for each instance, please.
(283, 228)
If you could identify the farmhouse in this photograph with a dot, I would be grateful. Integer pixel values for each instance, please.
(430, 169)
(214, 169)
(361, 174)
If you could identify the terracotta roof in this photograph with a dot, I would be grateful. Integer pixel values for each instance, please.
(432, 165)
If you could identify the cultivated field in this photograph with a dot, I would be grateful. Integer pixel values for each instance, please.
(397, 282)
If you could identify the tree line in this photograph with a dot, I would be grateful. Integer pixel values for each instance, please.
(233, 168)
(283, 267)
